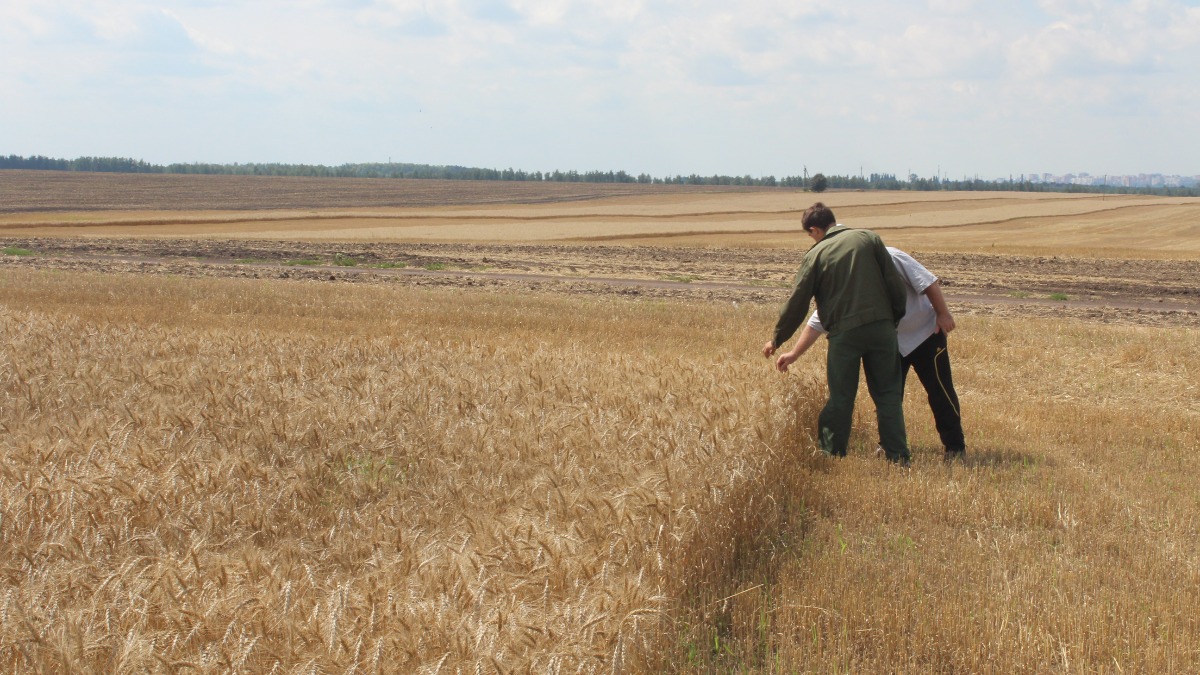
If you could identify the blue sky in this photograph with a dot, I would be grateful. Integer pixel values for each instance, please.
(759, 87)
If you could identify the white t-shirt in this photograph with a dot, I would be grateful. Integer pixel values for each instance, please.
(920, 321)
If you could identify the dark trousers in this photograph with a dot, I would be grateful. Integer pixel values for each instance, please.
(931, 360)
(874, 347)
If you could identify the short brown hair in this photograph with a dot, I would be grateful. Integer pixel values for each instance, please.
(818, 215)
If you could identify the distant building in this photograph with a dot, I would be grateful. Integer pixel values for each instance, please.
(1141, 180)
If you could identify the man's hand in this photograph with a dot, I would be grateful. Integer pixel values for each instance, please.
(807, 338)
(768, 349)
(945, 323)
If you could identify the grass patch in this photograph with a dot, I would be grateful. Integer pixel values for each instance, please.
(304, 261)
(1059, 296)
(344, 261)
(1019, 294)
(251, 261)
(16, 250)
(434, 266)
(374, 471)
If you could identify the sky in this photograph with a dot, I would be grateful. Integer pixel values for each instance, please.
(956, 88)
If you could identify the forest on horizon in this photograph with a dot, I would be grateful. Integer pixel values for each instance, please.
(816, 182)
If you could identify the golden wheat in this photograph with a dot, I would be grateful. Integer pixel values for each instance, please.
(1066, 542)
(259, 476)
(255, 476)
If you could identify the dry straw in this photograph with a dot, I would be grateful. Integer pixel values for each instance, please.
(302, 477)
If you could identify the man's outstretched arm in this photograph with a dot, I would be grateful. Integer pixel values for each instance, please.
(945, 320)
(807, 338)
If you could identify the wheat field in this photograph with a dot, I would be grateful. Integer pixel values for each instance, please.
(300, 476)
(257, 477)
(216, 475)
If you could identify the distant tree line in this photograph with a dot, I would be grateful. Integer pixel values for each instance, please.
(816, 183)
(110, 164)
(378, 170)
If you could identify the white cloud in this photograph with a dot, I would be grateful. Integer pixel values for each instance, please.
(941, 49)
(661, 86)
(952, 6)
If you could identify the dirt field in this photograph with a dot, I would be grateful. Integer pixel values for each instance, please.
(1149, 292)
(63, 191)
(1124, 259)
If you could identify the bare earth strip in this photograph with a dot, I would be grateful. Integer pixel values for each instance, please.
(1126, 258)
(1148, 292)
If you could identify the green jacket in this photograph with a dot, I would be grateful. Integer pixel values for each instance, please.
(852, 277)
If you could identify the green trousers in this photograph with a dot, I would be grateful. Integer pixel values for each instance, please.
(874, 346)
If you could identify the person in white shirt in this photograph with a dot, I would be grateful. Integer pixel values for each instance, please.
(921, 336)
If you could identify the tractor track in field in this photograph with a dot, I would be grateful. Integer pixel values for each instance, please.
(1141, 292)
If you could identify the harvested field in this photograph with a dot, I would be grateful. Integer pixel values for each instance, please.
(1004, 253)
(466, 212)
(61, 191)
(1147, 291)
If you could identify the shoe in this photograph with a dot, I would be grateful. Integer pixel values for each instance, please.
(904, 460)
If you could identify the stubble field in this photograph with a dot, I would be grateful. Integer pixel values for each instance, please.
(254, 442)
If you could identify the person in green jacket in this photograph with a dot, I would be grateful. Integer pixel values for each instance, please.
(861, 299)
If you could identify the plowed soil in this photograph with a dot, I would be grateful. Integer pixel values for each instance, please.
(1146, 292)
(719, 244)
(66, 191)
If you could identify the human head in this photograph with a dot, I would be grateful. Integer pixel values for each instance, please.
(819, 216)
